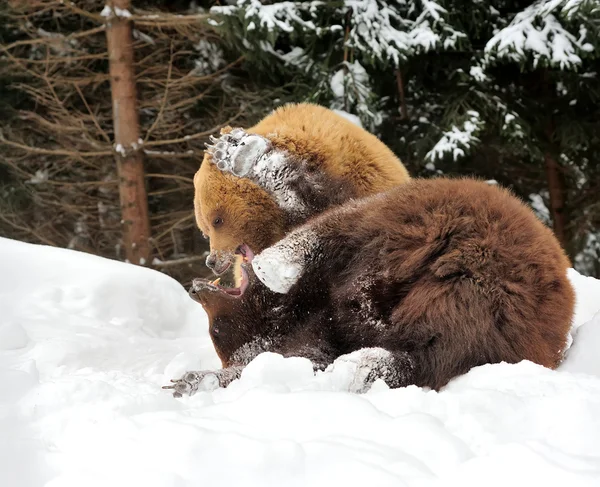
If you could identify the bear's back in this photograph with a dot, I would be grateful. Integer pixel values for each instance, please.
(335, 145)
(483, 265)
(470, 213)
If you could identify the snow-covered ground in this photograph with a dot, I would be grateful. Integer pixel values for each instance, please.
(86, 343)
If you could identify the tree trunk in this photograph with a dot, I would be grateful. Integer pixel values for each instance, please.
(400, 84)
(135, 222)
(557, 186)
(557, 190)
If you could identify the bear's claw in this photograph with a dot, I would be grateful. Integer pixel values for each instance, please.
(191, 382)
(199, 285)
(237, 152)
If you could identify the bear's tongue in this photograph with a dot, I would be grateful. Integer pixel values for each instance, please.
(246, 253)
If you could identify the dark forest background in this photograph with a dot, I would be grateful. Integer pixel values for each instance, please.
(503, 90)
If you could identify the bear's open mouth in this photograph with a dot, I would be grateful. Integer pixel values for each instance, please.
(245, 252)
(235, 291)
(247, 256)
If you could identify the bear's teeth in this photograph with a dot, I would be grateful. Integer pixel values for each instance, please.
(216, 281)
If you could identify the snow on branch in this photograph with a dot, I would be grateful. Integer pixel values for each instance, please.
(380, 30)
(389, 32)
(537, 203)
(351, 89)
(457, 141)
(512, 126)
(112, 11)
(282, 16)
(537, 32)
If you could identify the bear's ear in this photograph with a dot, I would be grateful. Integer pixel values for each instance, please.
(226, 130)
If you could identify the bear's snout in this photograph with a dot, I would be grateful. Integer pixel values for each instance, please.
(197, 286)
(219, 261)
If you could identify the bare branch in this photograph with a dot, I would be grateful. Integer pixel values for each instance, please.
(183, 261)
(198, 135)
(54, 152)
(100, 129)
(170, 176)
(42, 40)
(164, 100)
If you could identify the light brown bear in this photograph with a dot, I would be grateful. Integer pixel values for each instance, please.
(314, 159)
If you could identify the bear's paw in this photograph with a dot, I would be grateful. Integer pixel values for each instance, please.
(238, 152)
(192, 382)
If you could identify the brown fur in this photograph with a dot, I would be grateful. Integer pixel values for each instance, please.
(355, 161)
(444, 274)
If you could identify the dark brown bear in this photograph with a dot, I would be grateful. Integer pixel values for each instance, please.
(423, 282)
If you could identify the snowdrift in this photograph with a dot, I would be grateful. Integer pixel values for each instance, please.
(86, 343)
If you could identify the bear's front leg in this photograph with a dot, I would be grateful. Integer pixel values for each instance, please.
(281, 266)
(298, 189)
(205, 380)
(316, 252)
(253, 157)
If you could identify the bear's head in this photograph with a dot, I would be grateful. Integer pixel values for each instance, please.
(236, 315)
(221, 309)
(232, 211)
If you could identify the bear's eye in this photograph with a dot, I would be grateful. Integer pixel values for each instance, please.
(217, 222)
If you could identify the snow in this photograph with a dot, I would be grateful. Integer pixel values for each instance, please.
(458, 140)
(536, 201)
(119, 149)
(40, 176)
(86, 344)
(337, 84)
(109, 11)
(350, 87)
(282, 16)
(589, 256)
(210, 58)
(386, 32)
(390, 32)
(537, 32)
(512, 126)
(350, 117)
(583, 355)
(476, 72)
